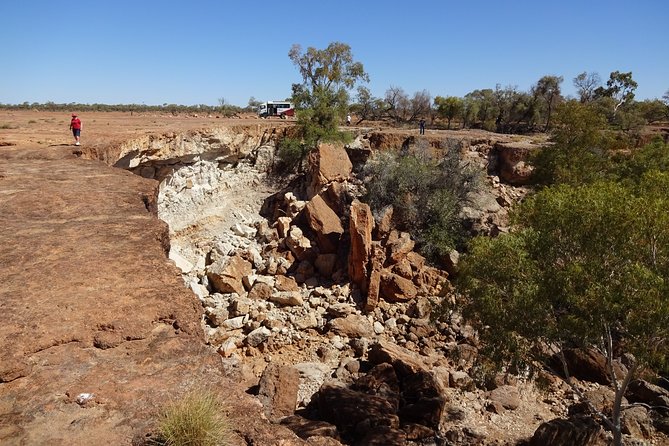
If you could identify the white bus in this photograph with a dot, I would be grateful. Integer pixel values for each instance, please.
(276, 108)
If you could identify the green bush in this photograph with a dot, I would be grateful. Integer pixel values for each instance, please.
(426, 196)
(194, 420)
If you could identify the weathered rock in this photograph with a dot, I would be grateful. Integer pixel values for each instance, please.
(361, 224)
(299, 244)
(216, 316)
(353, 326)
(325, 223)
(581, 431)
(260, 291)
(288, 298)
(399, 244)
(90, 233)
(327, 163)
(383, 436)
(404, 361)
(258, 336)
(285, 283)
(312, 377)
(326, 264)
(394, 288)
(226, 275)
(507, 396)
(640, 391)
(512, 162)
(348, 408)
(277, 390)
(308, 429)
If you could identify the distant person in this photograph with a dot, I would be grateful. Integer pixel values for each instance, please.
(348, 119)
(421, 125)
(75, 126)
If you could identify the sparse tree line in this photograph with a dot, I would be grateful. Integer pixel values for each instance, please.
(509, 110)
(223, 108)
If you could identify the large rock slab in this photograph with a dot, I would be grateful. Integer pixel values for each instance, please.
(327, 163)
(325, 223)
(361, 224)
(103, 331)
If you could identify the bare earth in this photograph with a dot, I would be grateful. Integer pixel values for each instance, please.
(98, 330)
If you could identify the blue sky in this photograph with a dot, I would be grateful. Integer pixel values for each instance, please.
(197, 51)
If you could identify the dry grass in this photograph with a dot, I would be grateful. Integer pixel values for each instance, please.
(196, 419)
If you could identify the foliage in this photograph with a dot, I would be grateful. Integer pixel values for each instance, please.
(620, 87)
(426, 197)
(548, 88)
(195, 420)
(138, 108)
(589, 265)
(631, 167)
(586, 84)
(449, 107)
(578, 153)
(367, 106)
(322, 97)
(402, 109)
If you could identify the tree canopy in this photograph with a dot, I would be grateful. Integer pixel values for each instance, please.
(322, 98)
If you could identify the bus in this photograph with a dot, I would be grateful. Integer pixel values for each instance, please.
(281, 109)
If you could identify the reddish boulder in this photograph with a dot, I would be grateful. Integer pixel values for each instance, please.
(277, 390)
(394, 288)
(327, 163)
(226, 275)
(325, 223)
(361, 225)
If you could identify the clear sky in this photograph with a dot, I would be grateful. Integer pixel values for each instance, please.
(197, 51)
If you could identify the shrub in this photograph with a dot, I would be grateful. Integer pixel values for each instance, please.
(426, 196)
(194, 420)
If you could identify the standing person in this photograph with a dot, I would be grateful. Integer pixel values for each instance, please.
(76, 126)
(348, 119)
(422, 126)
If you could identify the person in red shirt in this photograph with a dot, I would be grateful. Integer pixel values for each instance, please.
(76, 126)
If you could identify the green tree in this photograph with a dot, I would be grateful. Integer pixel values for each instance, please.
(578, 153)
(449, 108)
(587, 268)
(620, 87)
(322, 97)
(548, 88)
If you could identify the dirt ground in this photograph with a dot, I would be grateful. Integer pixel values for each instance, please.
(30, 128)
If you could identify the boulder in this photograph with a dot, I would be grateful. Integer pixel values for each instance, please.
(287, 298)
(394, 288)
(511, 160)
(260, 291)
(361, 224)
(327, 163)
(590, 365)
(348, 409)
(506, 396)
(285, 283)
(325, 223)
(226, 275)
(581, 431)
(258, 336)
(277, 390)
(640, 391)
(353, 326)
(298, 244)
(399, 244)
